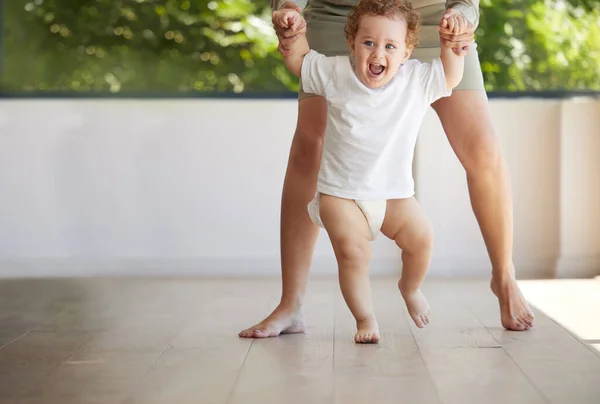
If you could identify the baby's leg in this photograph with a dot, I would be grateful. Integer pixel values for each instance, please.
(406, 224)
(350, 238)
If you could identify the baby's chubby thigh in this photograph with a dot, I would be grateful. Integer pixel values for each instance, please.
(347, 229)
(406, 224)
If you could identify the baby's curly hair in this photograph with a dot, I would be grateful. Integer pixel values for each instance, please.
(386, 8)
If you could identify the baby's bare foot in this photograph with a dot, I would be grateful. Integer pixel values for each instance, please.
(367, 331)
(417, 305)
(283, 320)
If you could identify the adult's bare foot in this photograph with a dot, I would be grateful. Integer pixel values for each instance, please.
(283, 320)
(515, 313)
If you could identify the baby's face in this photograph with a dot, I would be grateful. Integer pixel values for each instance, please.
(379, 49)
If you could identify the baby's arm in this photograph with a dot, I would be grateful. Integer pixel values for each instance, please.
(453, 63)
(288, 18)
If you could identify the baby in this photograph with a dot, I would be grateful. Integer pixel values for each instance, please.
(376, 100)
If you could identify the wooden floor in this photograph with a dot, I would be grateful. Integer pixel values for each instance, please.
(175, 341)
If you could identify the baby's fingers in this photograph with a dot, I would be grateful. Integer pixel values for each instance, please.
(282, 20)
(463, 24)
(451, 23)
(457, 24)
(456, 29)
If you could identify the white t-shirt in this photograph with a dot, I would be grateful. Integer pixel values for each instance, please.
(371, 133)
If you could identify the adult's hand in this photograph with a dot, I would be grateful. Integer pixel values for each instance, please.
(458, 42)
(288, 36)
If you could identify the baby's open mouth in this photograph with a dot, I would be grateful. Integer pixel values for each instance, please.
(376, 69)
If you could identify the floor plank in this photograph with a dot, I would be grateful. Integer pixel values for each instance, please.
(466, 362)
(203, 359)
(293, 368)
(130, 341)
(583, 297)
(390, 372)
(556, 362)
(93, 376)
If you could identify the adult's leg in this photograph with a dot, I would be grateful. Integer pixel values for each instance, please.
(466, 119)
(298, 233)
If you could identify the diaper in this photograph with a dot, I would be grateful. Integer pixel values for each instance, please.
(374, 212)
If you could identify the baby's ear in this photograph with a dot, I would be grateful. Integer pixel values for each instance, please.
(407, 52)
(351, 44)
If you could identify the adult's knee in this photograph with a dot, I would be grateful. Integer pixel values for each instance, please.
(307, 146)
(482, 154)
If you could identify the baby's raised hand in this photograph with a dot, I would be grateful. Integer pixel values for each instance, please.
(456, 23)
(456, 32)
(289, 19)
(289, 26)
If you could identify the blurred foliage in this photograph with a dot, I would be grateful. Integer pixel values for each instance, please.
(141, 45)
(229, 46)
(540, 45)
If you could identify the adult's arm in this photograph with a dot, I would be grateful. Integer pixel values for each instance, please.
(469, 8)
(277, 4)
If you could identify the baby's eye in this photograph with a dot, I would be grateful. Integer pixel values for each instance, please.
(390, 46)
(369, 43)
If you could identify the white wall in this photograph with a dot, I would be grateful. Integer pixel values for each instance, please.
(105, 187)
(529, 131)
(580, 189)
